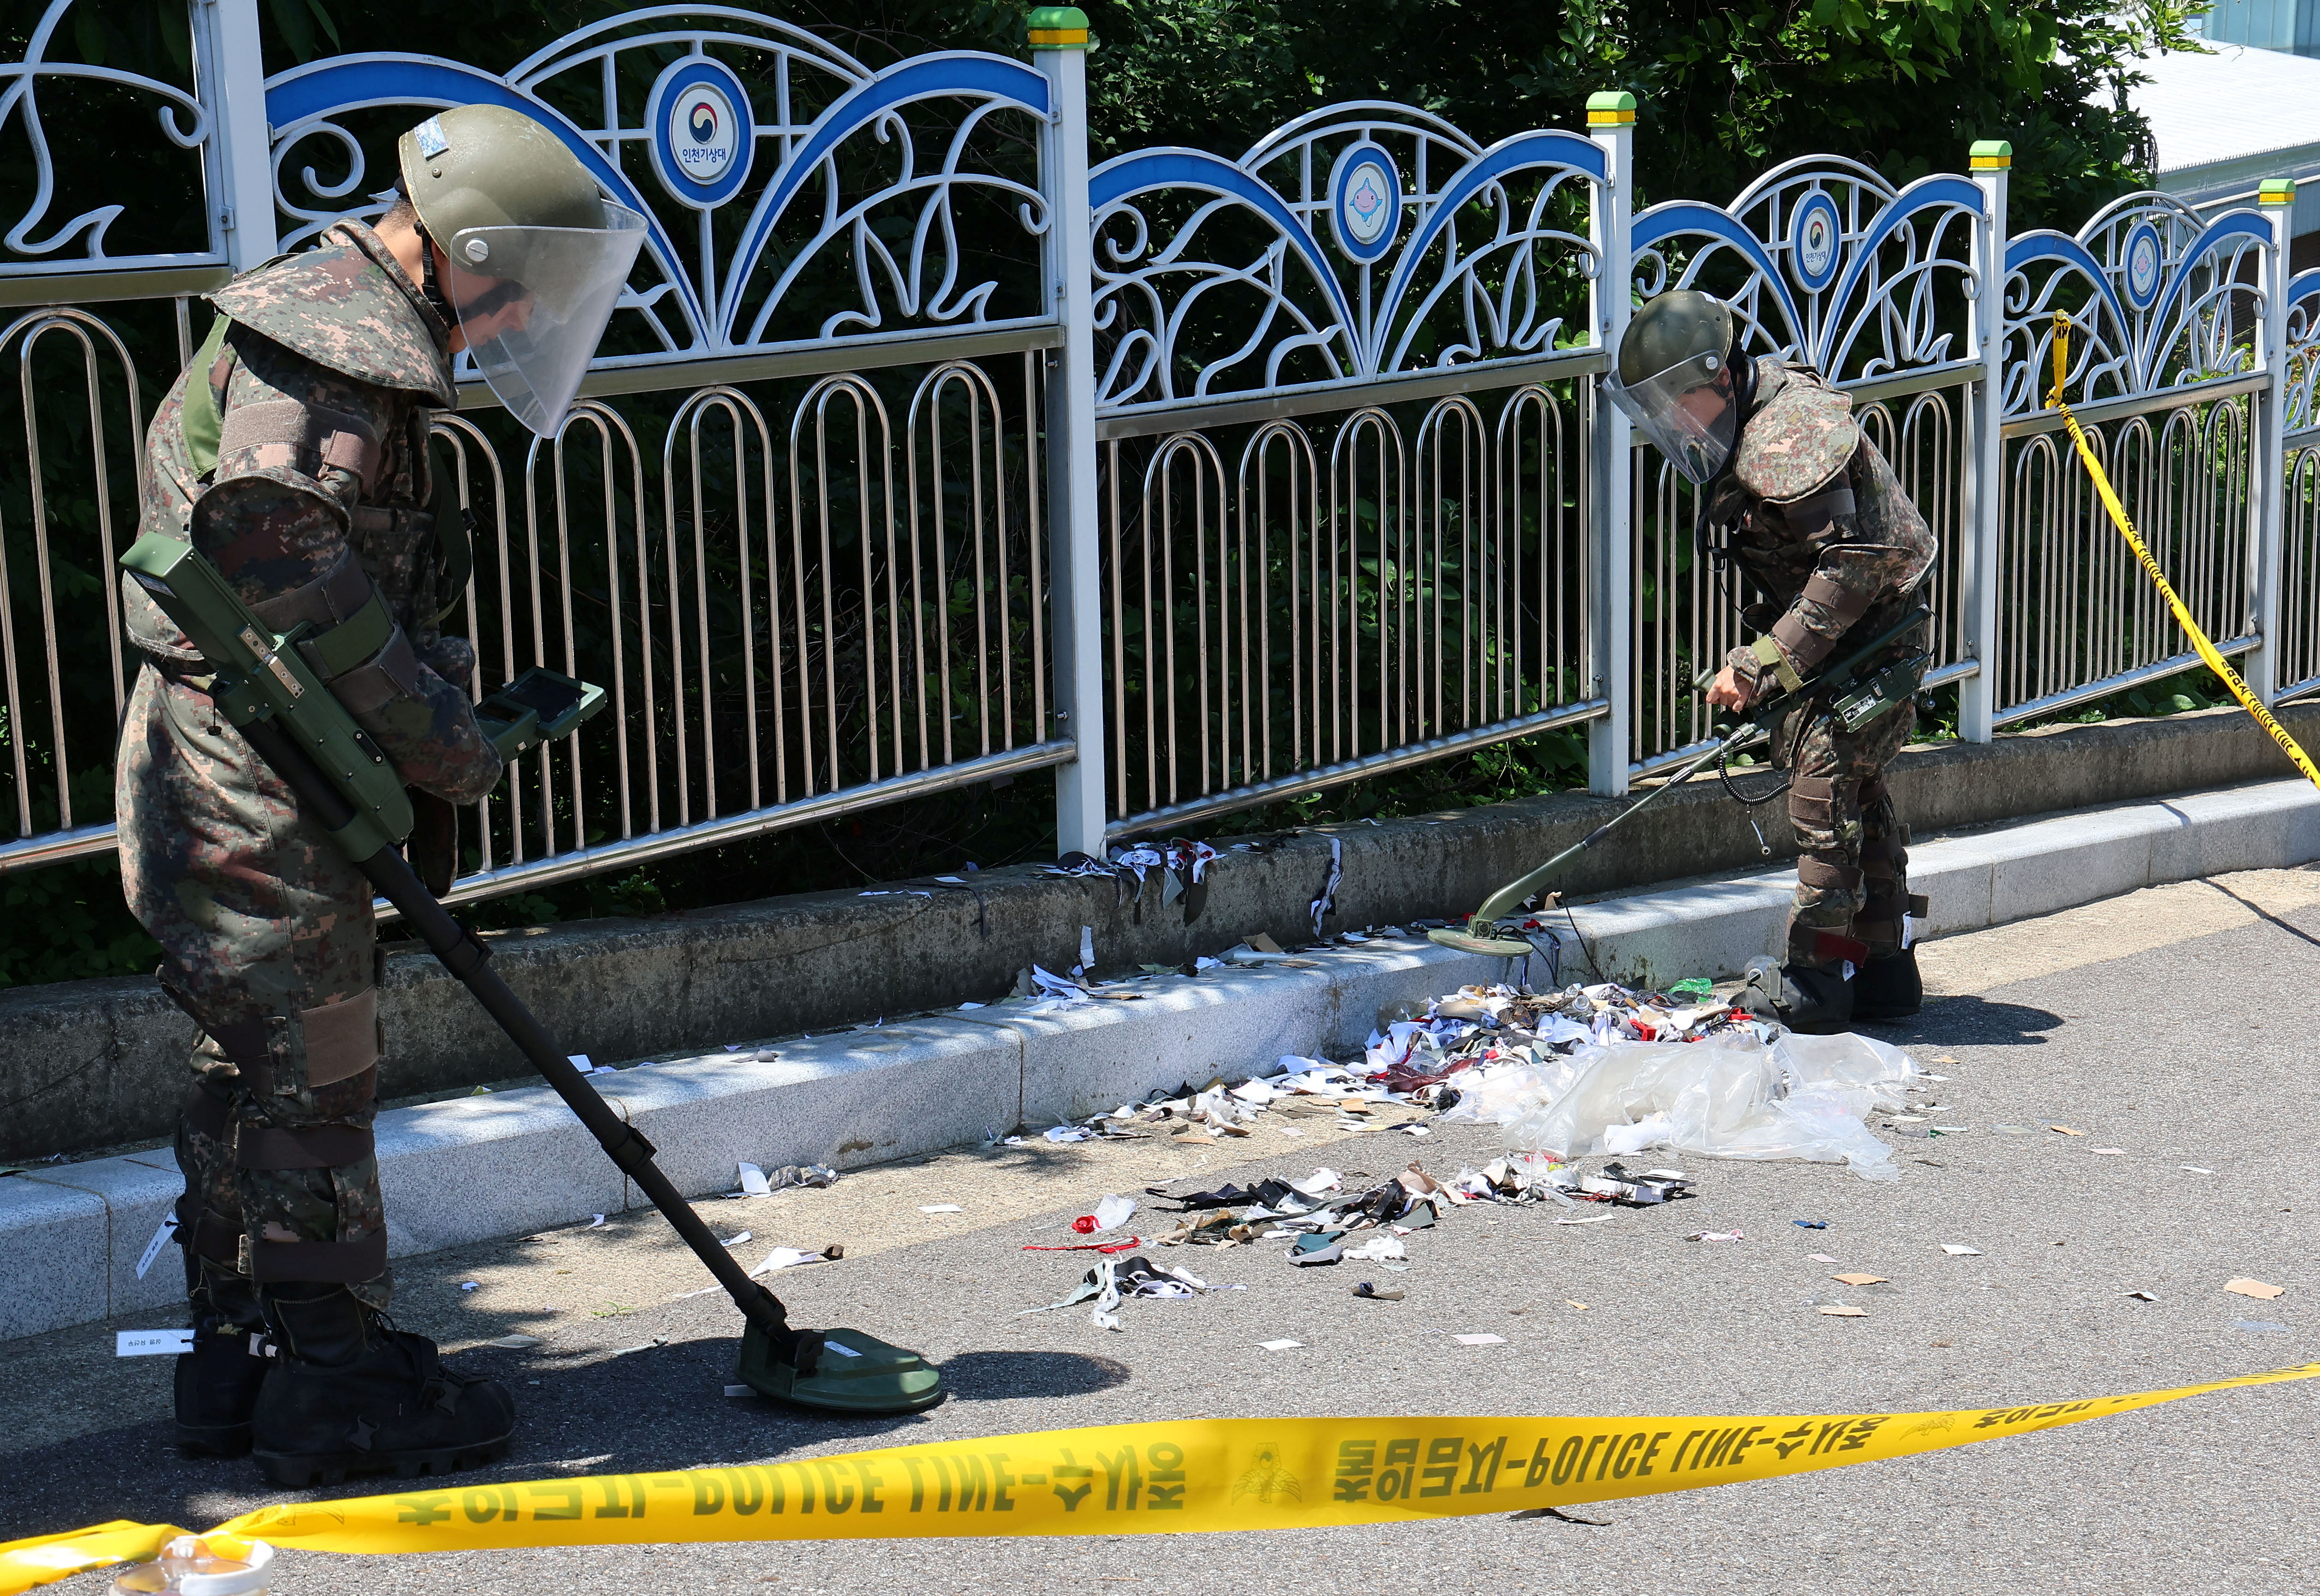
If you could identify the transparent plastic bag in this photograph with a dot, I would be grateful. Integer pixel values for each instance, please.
(1730, 1098)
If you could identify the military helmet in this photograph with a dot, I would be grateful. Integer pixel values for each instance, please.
(1676, 346)
(537, 255)
(488, 166)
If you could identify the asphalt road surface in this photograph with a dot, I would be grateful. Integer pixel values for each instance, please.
(2173, 1025)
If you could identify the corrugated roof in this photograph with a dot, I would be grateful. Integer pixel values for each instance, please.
(2237, 103)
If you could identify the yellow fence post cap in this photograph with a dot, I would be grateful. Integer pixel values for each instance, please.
(1612, 108)
(2277, 191)
(1991, 155)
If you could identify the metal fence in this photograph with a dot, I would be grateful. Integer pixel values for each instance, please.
(919, 453)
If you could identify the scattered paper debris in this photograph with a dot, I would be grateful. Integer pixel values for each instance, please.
(1844, 1310)
(1718, 1236)
(2107, 1152)
(736, 1240)
(2065, 1131)
(1277, 1346)
(1954, 1250)
(2195, 1169)
(160, 1240)
(467, 1285)
(1862, 1279)
(941, 1208)
(2261, 1290)
(753, 1180)
(594, 1220)
(1569, 1303)
(1592, 1219)
(1481, 1340)
(1821, 1258)
(2143, 1296)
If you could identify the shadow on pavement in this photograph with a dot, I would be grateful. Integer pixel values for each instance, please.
(1963, 1020)
(987, 1376)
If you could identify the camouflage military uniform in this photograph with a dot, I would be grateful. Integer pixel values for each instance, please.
(1816, 519)
(322, 392)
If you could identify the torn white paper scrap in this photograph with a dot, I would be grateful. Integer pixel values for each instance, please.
(941, 1208)
(1954, 1250)
(1262, 1346)
(1482, 1341)
(784, 1257)
(594, 1220)
(160, 1240)
(736, 1240)
(1087, 947)
(151, 1343)
(1327, 902)
(1113, 1212)
(754, 1182)
(467, 1285)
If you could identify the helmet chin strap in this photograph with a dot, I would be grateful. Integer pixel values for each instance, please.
(428, 287)
(1743, 375)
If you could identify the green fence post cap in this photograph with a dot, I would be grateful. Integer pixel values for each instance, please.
(1058, 27)
(1610, 108)
(1990, 154)
(2277, 191)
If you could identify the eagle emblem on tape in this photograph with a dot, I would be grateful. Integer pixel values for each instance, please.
(1266, 1480)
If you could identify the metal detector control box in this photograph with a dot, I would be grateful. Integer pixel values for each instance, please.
(538, 706)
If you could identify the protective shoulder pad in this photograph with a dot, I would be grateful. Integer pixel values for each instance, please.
(1802, 435)
(334, 305)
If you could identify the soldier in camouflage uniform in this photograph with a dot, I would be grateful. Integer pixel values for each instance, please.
(1814, 519)
(293, 456)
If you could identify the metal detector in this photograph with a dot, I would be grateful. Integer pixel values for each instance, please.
(1854, 703)
(277, 698)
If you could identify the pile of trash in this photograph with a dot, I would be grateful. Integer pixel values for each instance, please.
(1604, 1069)
(1598, 1069)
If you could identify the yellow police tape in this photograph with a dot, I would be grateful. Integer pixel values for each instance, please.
(2248, 701)
(1123, 1479)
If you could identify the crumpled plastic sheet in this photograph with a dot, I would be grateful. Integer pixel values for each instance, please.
(1730, 1096)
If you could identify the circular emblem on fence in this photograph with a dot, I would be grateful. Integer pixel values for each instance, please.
(702, 135)
(1814, 234)
(2143, 266)
(1364, 201)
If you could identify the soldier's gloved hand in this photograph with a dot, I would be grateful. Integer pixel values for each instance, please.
(452, 658)
(1727, 691)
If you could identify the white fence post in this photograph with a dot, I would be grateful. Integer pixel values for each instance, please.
(1991, 160)
(1611, 124)
(2267, 443)
(231, 82)
(1059, 46)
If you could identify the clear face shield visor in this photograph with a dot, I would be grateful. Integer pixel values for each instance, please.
(1687, 413)
(533, 302)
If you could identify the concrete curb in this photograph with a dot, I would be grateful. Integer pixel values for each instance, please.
(513, 1161)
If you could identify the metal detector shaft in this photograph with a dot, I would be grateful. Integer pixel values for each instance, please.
(1837, 674)
(465, 957)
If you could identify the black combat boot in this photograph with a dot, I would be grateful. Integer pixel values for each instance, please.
(1888, 989)
(1803, 998)
(350, 1395)
(218, 1380)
